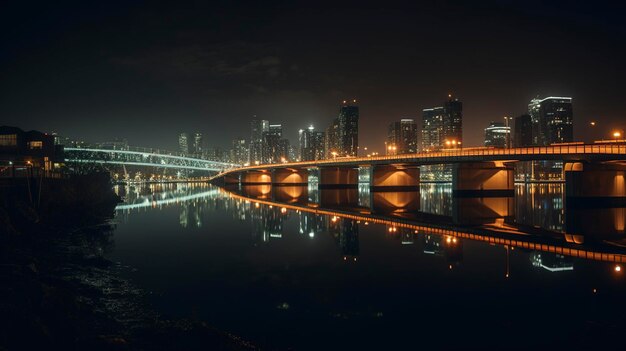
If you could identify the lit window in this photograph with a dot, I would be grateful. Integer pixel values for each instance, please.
(8, 140)
(35, 145)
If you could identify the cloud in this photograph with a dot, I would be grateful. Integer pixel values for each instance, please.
(240, 67)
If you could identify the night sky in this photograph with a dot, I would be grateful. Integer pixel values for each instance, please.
(147, 71)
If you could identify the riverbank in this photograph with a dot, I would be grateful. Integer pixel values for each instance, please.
(58, 291)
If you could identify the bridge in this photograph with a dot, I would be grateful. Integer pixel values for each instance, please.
(591, 170)
(143, 157)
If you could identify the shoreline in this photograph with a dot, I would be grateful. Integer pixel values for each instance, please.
(59, 291)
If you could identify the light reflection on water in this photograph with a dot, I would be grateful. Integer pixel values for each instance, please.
(306, 268)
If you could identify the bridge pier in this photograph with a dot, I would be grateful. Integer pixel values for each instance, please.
(595, 196)
(232, 179)
(339, 177)
(394, 178)
(290, 176)
(595, 180)
(483, 179)
(256, 177)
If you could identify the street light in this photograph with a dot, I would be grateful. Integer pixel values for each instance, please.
(617, 134)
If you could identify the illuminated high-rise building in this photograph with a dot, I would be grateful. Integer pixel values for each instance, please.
(198, 147)
(275, 147)
(239, 153)
(442, 127)
(348, 129)
(432, 128)
(552, 120)
(402, 137)
(183, 143)
(311, 144)
(331, 141)
(497, 134)
(452, 122)
(342, 136)
(256, 146)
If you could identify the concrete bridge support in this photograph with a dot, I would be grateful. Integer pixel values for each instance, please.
(290, 176)
(256, 177)
(394, 178)
(338, 177)
(483, 179)
(599, 180)
(232, 179)
(595, 201)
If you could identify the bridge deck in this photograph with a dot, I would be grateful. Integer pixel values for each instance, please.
(578, 152)
(144, 158)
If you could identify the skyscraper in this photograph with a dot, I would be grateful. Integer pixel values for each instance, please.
(497, 134)
(275, 147)
(183, 143)
(452, 121)
(552, 120)
(432, 128)
(311, 146)
(348, 129)
(442, 127)
(331, 142)
(257, 128)
(402, 136)
(523, 131)
(198, 144)
(239, 152)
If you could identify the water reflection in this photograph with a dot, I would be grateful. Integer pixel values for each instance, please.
(327, 256)
(540, 205)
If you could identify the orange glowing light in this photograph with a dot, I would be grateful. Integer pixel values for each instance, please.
(618, 268)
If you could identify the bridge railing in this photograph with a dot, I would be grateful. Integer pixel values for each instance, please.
(510, 153)
(146, 152)
(145, 156)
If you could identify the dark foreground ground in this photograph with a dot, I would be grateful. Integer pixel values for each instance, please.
(58, 292)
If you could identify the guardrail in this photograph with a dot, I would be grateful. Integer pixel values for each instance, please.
(147, 152)
(586, 149)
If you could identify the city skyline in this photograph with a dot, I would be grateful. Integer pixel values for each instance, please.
(548, 120)
(188, 67)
